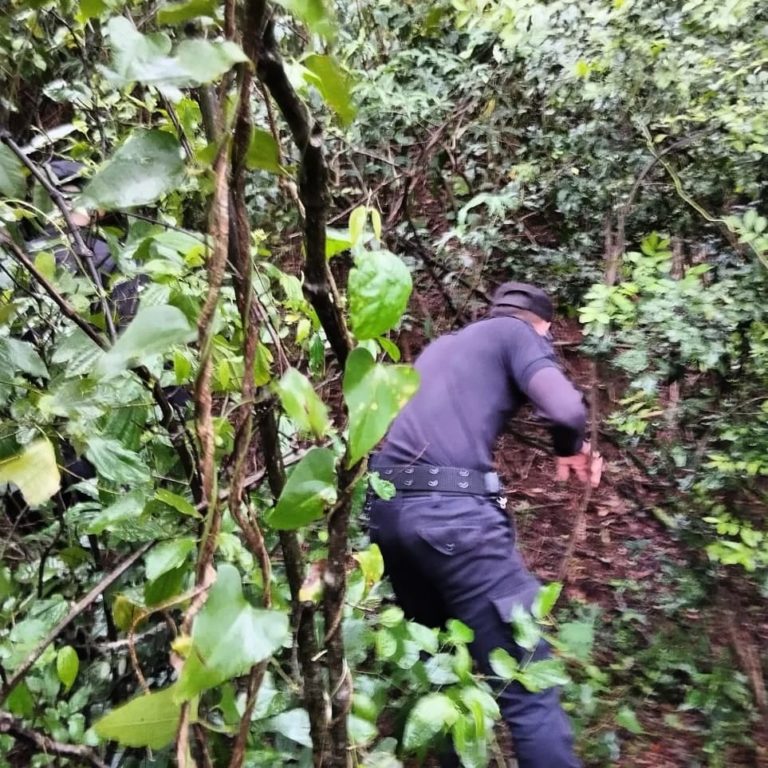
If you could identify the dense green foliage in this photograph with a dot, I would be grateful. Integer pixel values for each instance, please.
(287, 222)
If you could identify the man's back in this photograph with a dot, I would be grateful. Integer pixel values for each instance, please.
(471, 382)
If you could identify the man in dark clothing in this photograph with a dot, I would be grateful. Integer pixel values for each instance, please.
(448, 545)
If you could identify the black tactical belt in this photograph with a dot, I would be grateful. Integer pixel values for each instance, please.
(441, 479)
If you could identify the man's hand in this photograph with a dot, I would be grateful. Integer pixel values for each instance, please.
(587, 466)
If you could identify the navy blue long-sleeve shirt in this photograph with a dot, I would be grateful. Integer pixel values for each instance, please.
(472, 381)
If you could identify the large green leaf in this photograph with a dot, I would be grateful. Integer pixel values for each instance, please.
(310, 490)
(34, 471)
(229, 636)
(316, 14)
(116, 463)
(126, 509)
(178, 13)
(431, 714)
(153, 331)
(302, 404)
(17, 355)
(539, 675)
(545, 599)
(374, 394)
(149, 720)
(167, 556)
(293, 724)
(67, 666)
(336, 241)
(504, 665)
(147, 59)
(263, 152)
(146, 167)
(334, 84)
(379, 287)
(11, 174)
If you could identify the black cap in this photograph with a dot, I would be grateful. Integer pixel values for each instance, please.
(524, 296)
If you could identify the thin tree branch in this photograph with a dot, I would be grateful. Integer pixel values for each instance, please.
(81, 250)
(74, 612)
(53, 294)
(313, 192)
(47, 746)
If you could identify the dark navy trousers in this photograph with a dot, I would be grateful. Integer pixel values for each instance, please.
(454, 556)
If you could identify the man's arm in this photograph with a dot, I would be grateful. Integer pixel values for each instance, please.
(561, 404)
(563, 407)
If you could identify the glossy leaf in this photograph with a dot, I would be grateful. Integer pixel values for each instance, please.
(146, 167)
(309, 491)
(424, 637)
(302, 404)
(379, 288)
(34, 471)
(431, 715)
(293, 724)
(527, 632)
(126, 508)
(149, 720)
(147, 59)
(179, 503)
(334, 83)
(336, 241)
(17, 355)
(504, 665)
(168, 556)
(229, 636)
(67, 666)
(458, 632)
(178, 13)
(12, 182)
(263, 152)
(153, 331)
(316, 14)
(539, 675)
(374, 394)
(439, 669)
(116, 463)
(371, 564)
(545, 599)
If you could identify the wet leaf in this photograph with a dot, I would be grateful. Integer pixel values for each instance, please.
(229, 636)
(67, 666)
(374, 394)
(153, 331)
(146, 167)
(149, 720)
(12, 182)
(379, 288)
(302, 404)
(431, 715)
(309, 491)
(34, 471)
